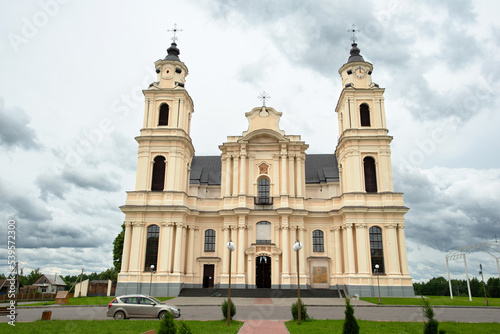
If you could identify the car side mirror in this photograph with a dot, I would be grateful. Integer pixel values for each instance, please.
(153, 304)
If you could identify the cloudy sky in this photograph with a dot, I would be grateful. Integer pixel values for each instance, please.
(71, 104)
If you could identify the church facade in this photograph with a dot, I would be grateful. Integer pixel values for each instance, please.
(264, 192)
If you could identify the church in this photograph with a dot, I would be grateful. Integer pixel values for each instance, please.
(264, 192)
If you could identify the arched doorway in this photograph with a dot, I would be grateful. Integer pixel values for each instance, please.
(263, 271)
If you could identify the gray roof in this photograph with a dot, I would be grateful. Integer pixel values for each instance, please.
(319, 168)
(173, 53)
(355, 56)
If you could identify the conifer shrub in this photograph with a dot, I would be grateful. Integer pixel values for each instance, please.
(303, 314)
(182, 328)
(167, 325)
(350, 323)
(224, 309)
(431, 325)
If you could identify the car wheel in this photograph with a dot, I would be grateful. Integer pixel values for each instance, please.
(120, 315)
(162, 314)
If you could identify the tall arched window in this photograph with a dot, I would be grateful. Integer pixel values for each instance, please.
(152, 247)
(364, 114)
(158, 178)
(370, 175)
(318, 241)
(263, 190)
(163, 117)
(209, 241)
(263, 233)
(377, 249)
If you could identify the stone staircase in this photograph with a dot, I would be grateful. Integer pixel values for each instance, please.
(259, 293)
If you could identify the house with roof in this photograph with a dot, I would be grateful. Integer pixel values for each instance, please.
(50, 283)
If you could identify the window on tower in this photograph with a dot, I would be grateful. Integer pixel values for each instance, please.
(364, 113)
(209, 241)
(263, 191)
(377, 249)
(158, 178)
(318, 242)
(370, 175)
(163, 118)
(152, 247)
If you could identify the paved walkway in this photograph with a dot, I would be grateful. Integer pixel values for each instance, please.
(263, 327)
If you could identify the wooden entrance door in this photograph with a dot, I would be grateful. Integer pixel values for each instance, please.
(208, 276)
(263, 272)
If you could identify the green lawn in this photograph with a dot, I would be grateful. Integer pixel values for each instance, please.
(114, 326)
(435, 300)
(335, 326)
(88, 301)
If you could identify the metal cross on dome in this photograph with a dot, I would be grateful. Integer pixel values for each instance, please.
(353, 30)
(175, 30)
(263, 97)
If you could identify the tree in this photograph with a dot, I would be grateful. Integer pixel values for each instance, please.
(167, 325)
(350, 323)
(431, 325)
(33, 276)
(494, 287)
(118, 249)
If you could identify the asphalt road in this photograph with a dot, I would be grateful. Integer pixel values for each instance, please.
(277, 312)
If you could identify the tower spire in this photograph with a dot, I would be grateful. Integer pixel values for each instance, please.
(173, 51)
(355, 56)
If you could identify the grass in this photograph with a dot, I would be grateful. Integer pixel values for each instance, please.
(114, 326)
(388, 327)
(435, 300)
(88, 301)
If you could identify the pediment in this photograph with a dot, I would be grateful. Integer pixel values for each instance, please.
(264, 118)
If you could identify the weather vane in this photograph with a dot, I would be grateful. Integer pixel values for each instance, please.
(175, 30)
(263, 97)
(353, 30)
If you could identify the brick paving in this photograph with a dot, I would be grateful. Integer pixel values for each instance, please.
(263, 327)
(263, 301)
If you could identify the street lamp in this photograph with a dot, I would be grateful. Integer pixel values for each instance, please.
(297, 247)
(152, 267)
(230, 245)
(484, 288)
(378, 282)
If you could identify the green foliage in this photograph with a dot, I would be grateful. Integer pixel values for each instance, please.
(350, 323)
(303, 311)
(182, 328)
(494, 287)
(431, 326)
(167, 324)
(223, 307)
(439, 286)
(118, 249)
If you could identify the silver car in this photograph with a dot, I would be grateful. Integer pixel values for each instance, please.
(139, 306)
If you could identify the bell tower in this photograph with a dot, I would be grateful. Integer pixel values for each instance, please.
(363, 150)
(165, 146)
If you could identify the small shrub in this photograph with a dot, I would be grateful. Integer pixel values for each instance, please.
(167, 325)
(303, 313)
(431, 326)
(182, 328)
(350, 324)
(224, 309)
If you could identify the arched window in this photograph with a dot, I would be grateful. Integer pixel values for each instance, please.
(158, 179)
(318, 242)
(364, 113)
(377, 249)
(209, 241)
(263, 233)
(163, 117)
(152, 247)
(370, 175)
(263, 190)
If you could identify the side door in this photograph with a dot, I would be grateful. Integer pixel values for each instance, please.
(146, 307)
(208, 276)
(131, 306)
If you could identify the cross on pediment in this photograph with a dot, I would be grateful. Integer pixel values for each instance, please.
(264, 97)
(175, 30)
(353, 31)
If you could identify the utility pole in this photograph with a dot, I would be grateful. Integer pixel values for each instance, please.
(80, 291)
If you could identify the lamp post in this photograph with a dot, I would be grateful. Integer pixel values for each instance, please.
(378, 282)
(484, 288)
(230, 245)
(152, 267)
(297, 247)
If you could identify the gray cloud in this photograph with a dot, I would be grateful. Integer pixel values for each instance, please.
(21, 206)
(15, 130)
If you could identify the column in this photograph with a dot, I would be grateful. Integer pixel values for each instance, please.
(170, 171)
(285, 246)
(243, 175)
(225, 254)
(284, 187)
(190, 250)
(178, 247)
(164, 250)
(363, 255)
(227, 186)
(291, 175)
(136, 248)
(350, 268)
(276, 175)
(402, 250)
(126, 247)
(392, 242)
(240, 247)
(338, 250)
(235, 176)
(299, 177)
(251, 175)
